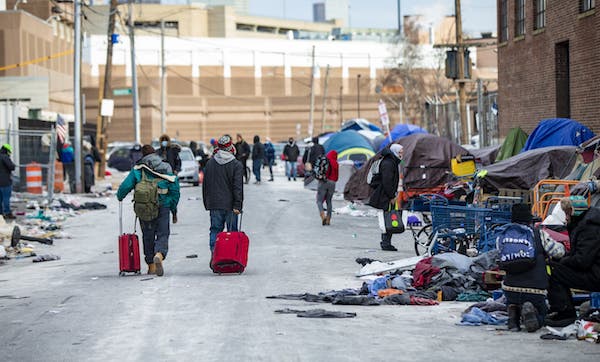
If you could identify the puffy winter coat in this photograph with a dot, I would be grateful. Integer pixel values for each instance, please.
(390, 176)
(584, 231)
(223, 185)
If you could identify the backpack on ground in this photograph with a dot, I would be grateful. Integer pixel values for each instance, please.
(374, 175)
(145, 198)
(516, 245)
(321, 167)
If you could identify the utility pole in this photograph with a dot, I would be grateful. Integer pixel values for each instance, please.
(105, 91)
(134, 85)
(77, 93)
(358, 93)
(399, 19)
(163, 80)
(462, 95)
(324, 100)
(341, 104)
(312, 95)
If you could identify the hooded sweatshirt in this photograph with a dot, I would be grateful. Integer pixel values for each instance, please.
(156, 163)
(223, 185)
(333, 172)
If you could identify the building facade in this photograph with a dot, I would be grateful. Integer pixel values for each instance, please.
(548, 56)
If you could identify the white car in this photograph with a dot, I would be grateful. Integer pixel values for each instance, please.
(189, 167)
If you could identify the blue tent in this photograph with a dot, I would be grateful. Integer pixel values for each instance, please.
(557, 132)
(350, 145)
(358, 124)
(401, 130)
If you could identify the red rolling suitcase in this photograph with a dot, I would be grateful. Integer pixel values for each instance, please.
(129, 249)
(231, 252)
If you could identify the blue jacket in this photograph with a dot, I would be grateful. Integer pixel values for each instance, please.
(169, 182)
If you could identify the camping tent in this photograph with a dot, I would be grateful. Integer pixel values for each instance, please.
(359, 123)
(524, 170)
(513, 144)
(558, 132)
(399, 131)
(375, 138)
(350, 145)
(427, 164)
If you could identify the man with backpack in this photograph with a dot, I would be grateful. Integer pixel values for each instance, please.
(326, 171)
(156, 195)
(223, 189)
(387, 186)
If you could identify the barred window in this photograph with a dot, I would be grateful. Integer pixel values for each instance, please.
(519, 17)
(540, 14)
(503, 20)
(586, 5)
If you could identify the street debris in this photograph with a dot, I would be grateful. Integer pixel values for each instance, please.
(46, 257)
(316, 313)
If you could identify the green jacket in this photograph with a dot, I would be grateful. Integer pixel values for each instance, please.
(168, 182)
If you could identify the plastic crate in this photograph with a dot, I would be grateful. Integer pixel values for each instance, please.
(454, 217)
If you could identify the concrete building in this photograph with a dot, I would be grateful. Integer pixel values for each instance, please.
(548, 57)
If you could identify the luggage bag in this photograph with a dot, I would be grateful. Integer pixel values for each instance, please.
(129, 248)
(231, 251)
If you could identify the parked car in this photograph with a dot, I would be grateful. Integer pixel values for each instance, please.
(119, 158)
(189, 167)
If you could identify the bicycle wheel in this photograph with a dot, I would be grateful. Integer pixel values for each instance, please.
(423, 240)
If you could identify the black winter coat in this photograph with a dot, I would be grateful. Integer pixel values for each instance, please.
(311, 154)
(258, 151)
(171, 155)
(390, 176)
(584, 233)
(242, 150)
(291, 152)
(6, 169)
(536, 277)
(223, 186)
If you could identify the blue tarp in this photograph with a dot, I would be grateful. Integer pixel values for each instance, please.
(342, 141)
(359, 123)
(401, 130)
(557, 132)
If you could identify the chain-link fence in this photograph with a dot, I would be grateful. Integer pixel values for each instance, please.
(442, 119)
(34, 154)
(487, 120)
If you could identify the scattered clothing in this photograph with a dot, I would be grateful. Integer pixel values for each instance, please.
(472, 296)
(317, 313)
(46, 257)
(477, 317)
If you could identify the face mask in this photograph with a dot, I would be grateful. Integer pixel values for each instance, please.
(163, 143)
(291, 141)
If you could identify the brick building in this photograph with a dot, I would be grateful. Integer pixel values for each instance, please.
(548, 61)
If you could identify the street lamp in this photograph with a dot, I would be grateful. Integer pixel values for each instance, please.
(358, 93)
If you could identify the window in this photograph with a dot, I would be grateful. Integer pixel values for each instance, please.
(586, 5)
(503, 20)
(540, 14)
(519, 17)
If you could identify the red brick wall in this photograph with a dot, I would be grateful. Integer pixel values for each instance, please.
(526, 66)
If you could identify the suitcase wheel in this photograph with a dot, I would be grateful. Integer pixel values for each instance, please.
(121, 274)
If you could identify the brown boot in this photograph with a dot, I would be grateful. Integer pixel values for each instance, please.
(151, 269)
(322, 218)
(328, 220)
(158, 260)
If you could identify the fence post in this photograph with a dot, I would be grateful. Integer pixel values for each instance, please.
(51, 165)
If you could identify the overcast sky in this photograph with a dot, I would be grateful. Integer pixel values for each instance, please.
(477, 15)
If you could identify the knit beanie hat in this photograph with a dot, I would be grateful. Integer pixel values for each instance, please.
(226, 144)
(520, 213)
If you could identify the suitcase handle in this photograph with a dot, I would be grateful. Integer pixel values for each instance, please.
(120, 217)
(230, 226)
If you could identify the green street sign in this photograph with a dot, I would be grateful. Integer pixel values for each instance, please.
(122, 91)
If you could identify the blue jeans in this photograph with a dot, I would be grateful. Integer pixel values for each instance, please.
(155, 235)
(290, 169)
(218, 220)
(256, 165)
(5, 199)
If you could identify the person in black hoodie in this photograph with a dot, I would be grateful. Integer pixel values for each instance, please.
(387, 186)
(223, 189)
(258, 156)
(579, 269)
(242, 149)
(169, 152)
(6, 169)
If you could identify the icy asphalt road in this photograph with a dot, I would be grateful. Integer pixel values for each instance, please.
(78, 309)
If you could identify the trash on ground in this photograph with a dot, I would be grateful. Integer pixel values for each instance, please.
(46, 257)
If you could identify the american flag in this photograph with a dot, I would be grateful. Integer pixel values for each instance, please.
(62, 129)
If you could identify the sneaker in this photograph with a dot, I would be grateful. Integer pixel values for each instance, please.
(271, 179)
(561, 319)
(388, 247)
(529, 316)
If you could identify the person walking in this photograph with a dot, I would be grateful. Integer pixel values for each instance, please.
(258, 157)
(269, 156)
(6, 169)
(242, 149)
(223, 189)
(388, 187)
(290, 154)
(311, 154)
(67, 157)
(150, 176)
(326, 188)
(88, 167)
(169, 152)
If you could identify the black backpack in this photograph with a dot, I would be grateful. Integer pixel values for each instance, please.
(321, 167)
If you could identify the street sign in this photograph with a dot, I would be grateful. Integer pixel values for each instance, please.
(107, 108)
(385, 121)
(122, 91)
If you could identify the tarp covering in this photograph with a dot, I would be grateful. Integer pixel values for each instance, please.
(524, 170)
(487, 155)
(558, 132)
(427, 164)
(342, 141)
(513, 144)
(399, 131)
(359, 123)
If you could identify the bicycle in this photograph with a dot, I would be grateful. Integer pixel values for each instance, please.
(421, 233)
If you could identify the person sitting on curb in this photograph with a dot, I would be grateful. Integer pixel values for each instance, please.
(579, 268)
(151, 169)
